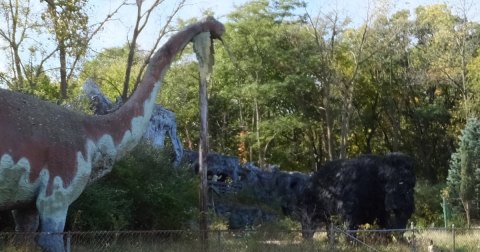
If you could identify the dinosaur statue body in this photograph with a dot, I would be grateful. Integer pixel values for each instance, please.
(48, 154)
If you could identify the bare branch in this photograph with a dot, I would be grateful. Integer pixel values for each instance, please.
(40, 65)
(5, 36)
(141, 22)
(161, 34)
(103, 22)
(146, 14)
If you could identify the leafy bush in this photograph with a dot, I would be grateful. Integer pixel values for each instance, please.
(428, 200)
(143, 192)
(100, 207)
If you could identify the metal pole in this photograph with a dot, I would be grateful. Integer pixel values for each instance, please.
(453, 237)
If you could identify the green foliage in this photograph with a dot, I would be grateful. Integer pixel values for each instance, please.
(100, 207)
(283, 223)
(143, 192)
(473, 75)
(40, 85)
(68, 21)
(254, 197)
(273, 83)
(107, 69)
(264, 84)
(180, 94)
(464, 173)
(428, 200)
(454, 178)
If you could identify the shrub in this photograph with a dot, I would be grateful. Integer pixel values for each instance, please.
(428, 200)
(143, 192)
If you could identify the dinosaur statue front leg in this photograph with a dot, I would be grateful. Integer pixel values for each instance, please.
(52, 223)
(53, 207)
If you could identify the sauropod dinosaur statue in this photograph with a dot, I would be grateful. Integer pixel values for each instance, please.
(48, 154)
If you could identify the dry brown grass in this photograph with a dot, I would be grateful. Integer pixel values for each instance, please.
(291, 241)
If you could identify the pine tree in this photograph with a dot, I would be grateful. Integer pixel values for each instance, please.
(463, 176)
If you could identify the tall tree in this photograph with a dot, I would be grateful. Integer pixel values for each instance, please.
(464, 173)
(329, 27)
(270, 75)
(68, 22)
(14, 31)
(26, 29)
(439, 95)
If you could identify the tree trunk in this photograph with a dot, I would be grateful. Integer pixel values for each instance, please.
(345, 120)
(18, 68)
(189, 140)
(257, 125)
(466, 207)
(329, 142)
(63, 69)
(11, 38)
(131, 54)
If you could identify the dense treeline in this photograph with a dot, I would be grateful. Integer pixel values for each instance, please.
(294, 88)
(299, 90)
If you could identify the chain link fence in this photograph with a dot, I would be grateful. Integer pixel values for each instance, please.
(168, 240)
(337, 239)
(412, 239)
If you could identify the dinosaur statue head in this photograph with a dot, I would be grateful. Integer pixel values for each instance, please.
(217, 29)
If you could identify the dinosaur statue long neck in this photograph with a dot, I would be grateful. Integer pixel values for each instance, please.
(46, 142)
(127, 125)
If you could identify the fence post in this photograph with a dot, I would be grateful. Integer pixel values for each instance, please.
(414, 245)
(331, 235)
(453, 237)
(68, 245)
(444, 207)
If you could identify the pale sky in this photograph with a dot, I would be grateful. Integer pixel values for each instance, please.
(117, 32)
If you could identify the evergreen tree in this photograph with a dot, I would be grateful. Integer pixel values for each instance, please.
(463, 175)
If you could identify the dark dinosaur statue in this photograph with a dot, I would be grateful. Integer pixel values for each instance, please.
(368, 189)
(48, 154)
